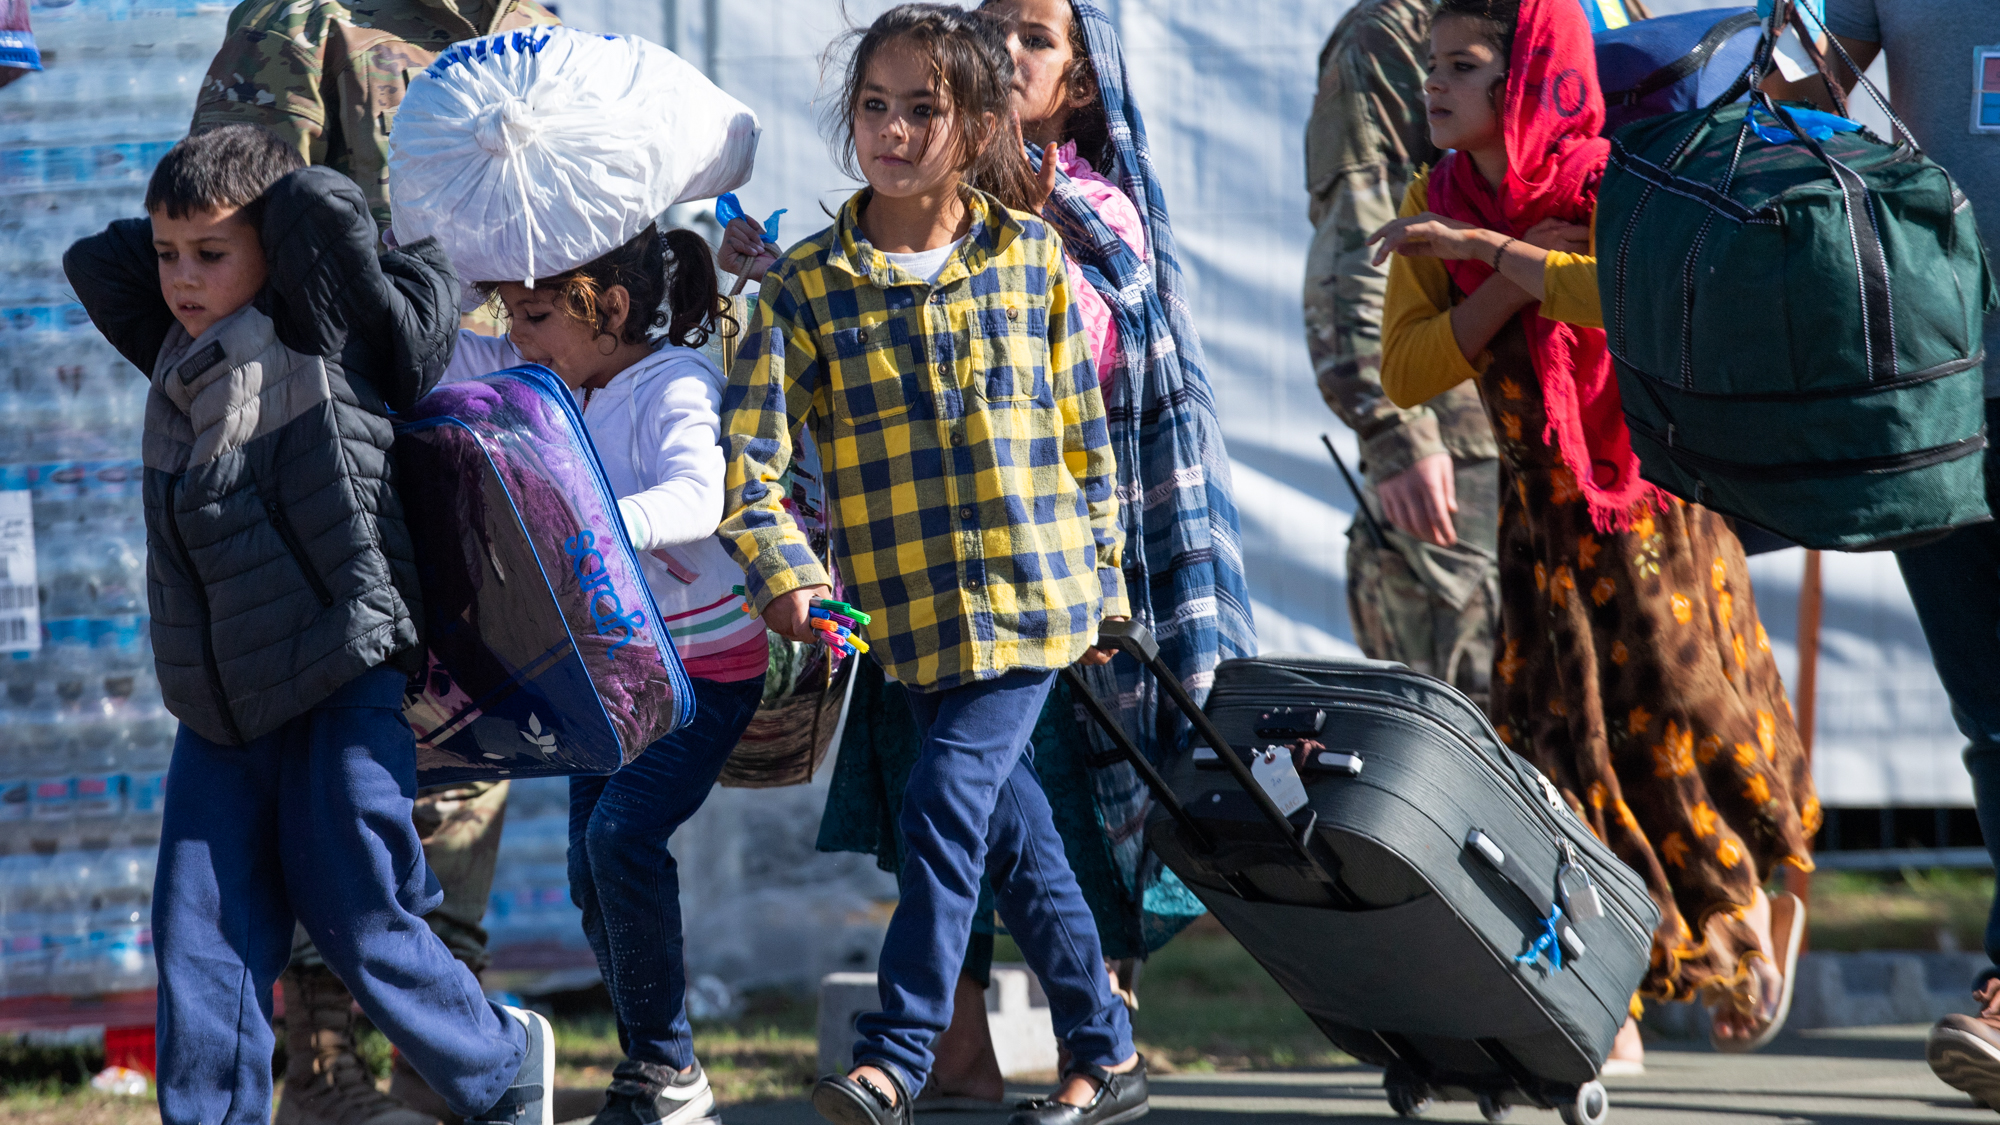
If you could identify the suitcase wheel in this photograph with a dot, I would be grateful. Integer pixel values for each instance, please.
(1591, 1107)
(1408, 1099)
(1492, 1108)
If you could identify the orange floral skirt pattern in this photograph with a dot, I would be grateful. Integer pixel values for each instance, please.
(1633, 671)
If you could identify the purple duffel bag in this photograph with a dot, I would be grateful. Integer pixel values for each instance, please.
(547, 655)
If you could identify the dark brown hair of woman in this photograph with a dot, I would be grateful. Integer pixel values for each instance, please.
(1086, 124)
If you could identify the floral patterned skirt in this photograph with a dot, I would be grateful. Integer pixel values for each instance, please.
(1632, 670)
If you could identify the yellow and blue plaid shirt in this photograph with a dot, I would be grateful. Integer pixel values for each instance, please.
(963, 439)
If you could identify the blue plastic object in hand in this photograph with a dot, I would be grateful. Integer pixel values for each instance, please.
(1818, 124)
(728, 209)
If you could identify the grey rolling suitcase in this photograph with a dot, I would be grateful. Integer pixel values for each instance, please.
(1423, 893)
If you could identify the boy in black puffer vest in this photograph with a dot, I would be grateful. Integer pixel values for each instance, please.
(283, 594)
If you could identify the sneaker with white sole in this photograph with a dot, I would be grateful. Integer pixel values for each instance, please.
(530, 1099)
(644, 1093)
(1964, 1051)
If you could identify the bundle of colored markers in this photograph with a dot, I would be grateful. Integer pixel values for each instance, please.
(837, 623)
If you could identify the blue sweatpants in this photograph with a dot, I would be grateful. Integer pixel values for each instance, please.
(1955, 585)
(624, 879)
(310, 823)
(973, 803)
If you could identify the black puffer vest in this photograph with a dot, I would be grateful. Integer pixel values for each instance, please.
(279, 566)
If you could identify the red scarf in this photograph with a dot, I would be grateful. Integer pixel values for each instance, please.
(1553, 112)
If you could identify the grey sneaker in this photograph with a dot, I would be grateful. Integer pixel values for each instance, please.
(1965, 1053)
(644, 1093)
(530, 1100)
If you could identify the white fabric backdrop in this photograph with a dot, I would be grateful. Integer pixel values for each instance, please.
(1225, 86)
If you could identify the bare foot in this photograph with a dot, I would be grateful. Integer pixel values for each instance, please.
(1078, 1089)
(1628, 1047)
(873, 1076)
(1733, 1023)
(1988, 996)
(964, 1065)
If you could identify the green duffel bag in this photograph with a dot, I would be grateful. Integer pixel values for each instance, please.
(1797, 326)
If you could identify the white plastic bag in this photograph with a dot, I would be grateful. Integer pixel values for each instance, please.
(535, 151)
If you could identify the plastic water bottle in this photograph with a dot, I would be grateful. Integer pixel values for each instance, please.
(66, 883)
(120, 926)
(67, 643)
(24, 961)
(52, 776)
(100, 773)
(146, 770)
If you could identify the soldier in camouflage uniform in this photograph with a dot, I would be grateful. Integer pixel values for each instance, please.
(1422, 581)
(328, 76)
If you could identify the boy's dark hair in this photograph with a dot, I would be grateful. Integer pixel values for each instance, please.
(671, 279)
(972, 73)
(1499, 17)
(227, 166)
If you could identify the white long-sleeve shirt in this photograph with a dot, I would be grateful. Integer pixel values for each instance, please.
(658, 428)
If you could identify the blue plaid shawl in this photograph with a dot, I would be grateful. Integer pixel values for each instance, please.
(1183, 553)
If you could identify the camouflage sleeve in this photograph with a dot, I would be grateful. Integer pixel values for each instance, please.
(1343, 315)
(260, 77)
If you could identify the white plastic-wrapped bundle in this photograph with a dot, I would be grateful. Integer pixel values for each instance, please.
(534, 151)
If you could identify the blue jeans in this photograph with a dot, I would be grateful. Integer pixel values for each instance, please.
(1955, 583)
(973, 803)
(309, 823)
(624, 878)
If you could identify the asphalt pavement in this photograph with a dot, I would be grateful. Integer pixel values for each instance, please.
(1852, 1076)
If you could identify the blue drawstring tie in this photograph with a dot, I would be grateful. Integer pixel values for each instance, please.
(1546, 942)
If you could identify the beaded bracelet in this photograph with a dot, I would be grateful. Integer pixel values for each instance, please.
(1502, 250)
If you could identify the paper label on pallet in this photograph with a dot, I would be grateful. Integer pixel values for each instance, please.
(20, 609)
(1274, 771)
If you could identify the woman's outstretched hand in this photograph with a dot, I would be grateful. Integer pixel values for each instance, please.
(744, 250)
(1431, 235)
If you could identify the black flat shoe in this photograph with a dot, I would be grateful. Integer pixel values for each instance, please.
(1119, 1097)
(844, 1101)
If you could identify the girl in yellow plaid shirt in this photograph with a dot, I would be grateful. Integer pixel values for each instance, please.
(930, 340)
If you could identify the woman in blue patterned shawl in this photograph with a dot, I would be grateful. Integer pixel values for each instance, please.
(1183, 562)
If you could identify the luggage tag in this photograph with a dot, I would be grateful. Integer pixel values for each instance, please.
(1582, 905)
(1272, 767)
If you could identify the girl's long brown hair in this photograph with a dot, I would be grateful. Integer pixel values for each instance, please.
(972, 74)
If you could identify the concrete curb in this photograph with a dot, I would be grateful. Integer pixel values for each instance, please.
(1017, 1014)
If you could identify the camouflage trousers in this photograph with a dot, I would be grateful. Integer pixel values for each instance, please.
(1433, 608)
(460, 829)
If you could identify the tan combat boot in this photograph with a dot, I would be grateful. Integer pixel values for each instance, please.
(326, 1083)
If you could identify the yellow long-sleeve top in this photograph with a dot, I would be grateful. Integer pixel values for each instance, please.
(1420, 356)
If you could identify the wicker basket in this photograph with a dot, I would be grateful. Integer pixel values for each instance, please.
(791, 733)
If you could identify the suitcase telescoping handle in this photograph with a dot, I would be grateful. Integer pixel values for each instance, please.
(1137, 641)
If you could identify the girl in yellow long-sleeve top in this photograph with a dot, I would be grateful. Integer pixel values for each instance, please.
(1631, 666)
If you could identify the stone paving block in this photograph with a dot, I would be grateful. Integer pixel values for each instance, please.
(1017, 1014)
